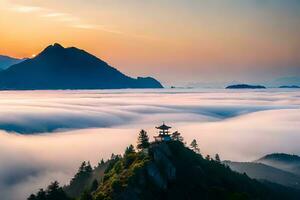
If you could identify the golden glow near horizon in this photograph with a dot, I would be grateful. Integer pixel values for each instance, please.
(196, 39)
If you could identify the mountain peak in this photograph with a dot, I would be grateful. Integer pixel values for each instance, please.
(281, 157)
(57, 67)
(55, 48)
(57, 45)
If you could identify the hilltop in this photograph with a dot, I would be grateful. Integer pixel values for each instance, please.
(279, 168)
(290, 163)
(57, 67)
(164, 169)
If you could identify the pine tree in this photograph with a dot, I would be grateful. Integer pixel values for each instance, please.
(82, 167)
(194, 146)
(32, 197)
(177, 137)
(95, 185)
(54, 192)
(88, 168)
(129, 150)
(86, 196)
(217, 158)
(102, 162)
(113, 156)
(41, 195)
(208, 157)
(143, 140)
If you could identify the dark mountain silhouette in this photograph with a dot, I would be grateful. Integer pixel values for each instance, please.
(57, 67)
(6, 61)
(265, 172)
(290, 86)
(292, 80)
(290, 163)
(245, 86)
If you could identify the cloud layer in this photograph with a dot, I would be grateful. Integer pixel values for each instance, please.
(46, 134)
(42, 112)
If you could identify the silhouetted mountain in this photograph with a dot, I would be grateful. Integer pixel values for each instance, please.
(6, 61)
(290, 86)
(57, 67)
(290, 163)
(169, 170)
(293, 80)
(265, 172)
(245, 86)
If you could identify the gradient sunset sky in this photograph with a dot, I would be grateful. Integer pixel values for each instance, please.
(176, 41)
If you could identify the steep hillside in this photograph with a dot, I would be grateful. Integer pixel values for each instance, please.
(172, 171)
(162, 171)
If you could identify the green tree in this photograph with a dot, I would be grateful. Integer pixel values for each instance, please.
(177, 137)
(194, 146)
(143, 140)
(113, 156)
(82, 167)
(81, 181)
(88, 168)
(41, 195)
(95, 185)
(32, 197)
(102, 162)
(129, 150)
(217, 158)
(86, 196)
(208, 157)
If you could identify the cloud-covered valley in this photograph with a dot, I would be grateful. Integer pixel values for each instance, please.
(44, 112)
(46, 134)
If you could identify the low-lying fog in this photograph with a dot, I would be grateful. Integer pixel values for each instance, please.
(45, 135)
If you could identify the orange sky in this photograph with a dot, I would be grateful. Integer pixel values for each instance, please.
(171, 40)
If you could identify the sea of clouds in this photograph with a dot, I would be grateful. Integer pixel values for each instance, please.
(45, 135)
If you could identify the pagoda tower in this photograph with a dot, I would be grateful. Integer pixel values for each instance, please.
(163, 133)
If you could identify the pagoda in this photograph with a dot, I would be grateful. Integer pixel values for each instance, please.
(163, 133)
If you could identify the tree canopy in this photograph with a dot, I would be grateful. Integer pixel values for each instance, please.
(194, 146)
(143, 140)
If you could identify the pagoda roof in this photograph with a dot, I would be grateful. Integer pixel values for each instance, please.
(163, 127)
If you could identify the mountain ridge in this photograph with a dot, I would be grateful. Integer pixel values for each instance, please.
(7, 61)
(57, 67)
(287, 162)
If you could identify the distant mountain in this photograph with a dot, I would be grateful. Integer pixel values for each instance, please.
(290, 163)
(6, 61)
(292, 80)
(245, 86)
(57, 67)
(265, 172)
(290, 86)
